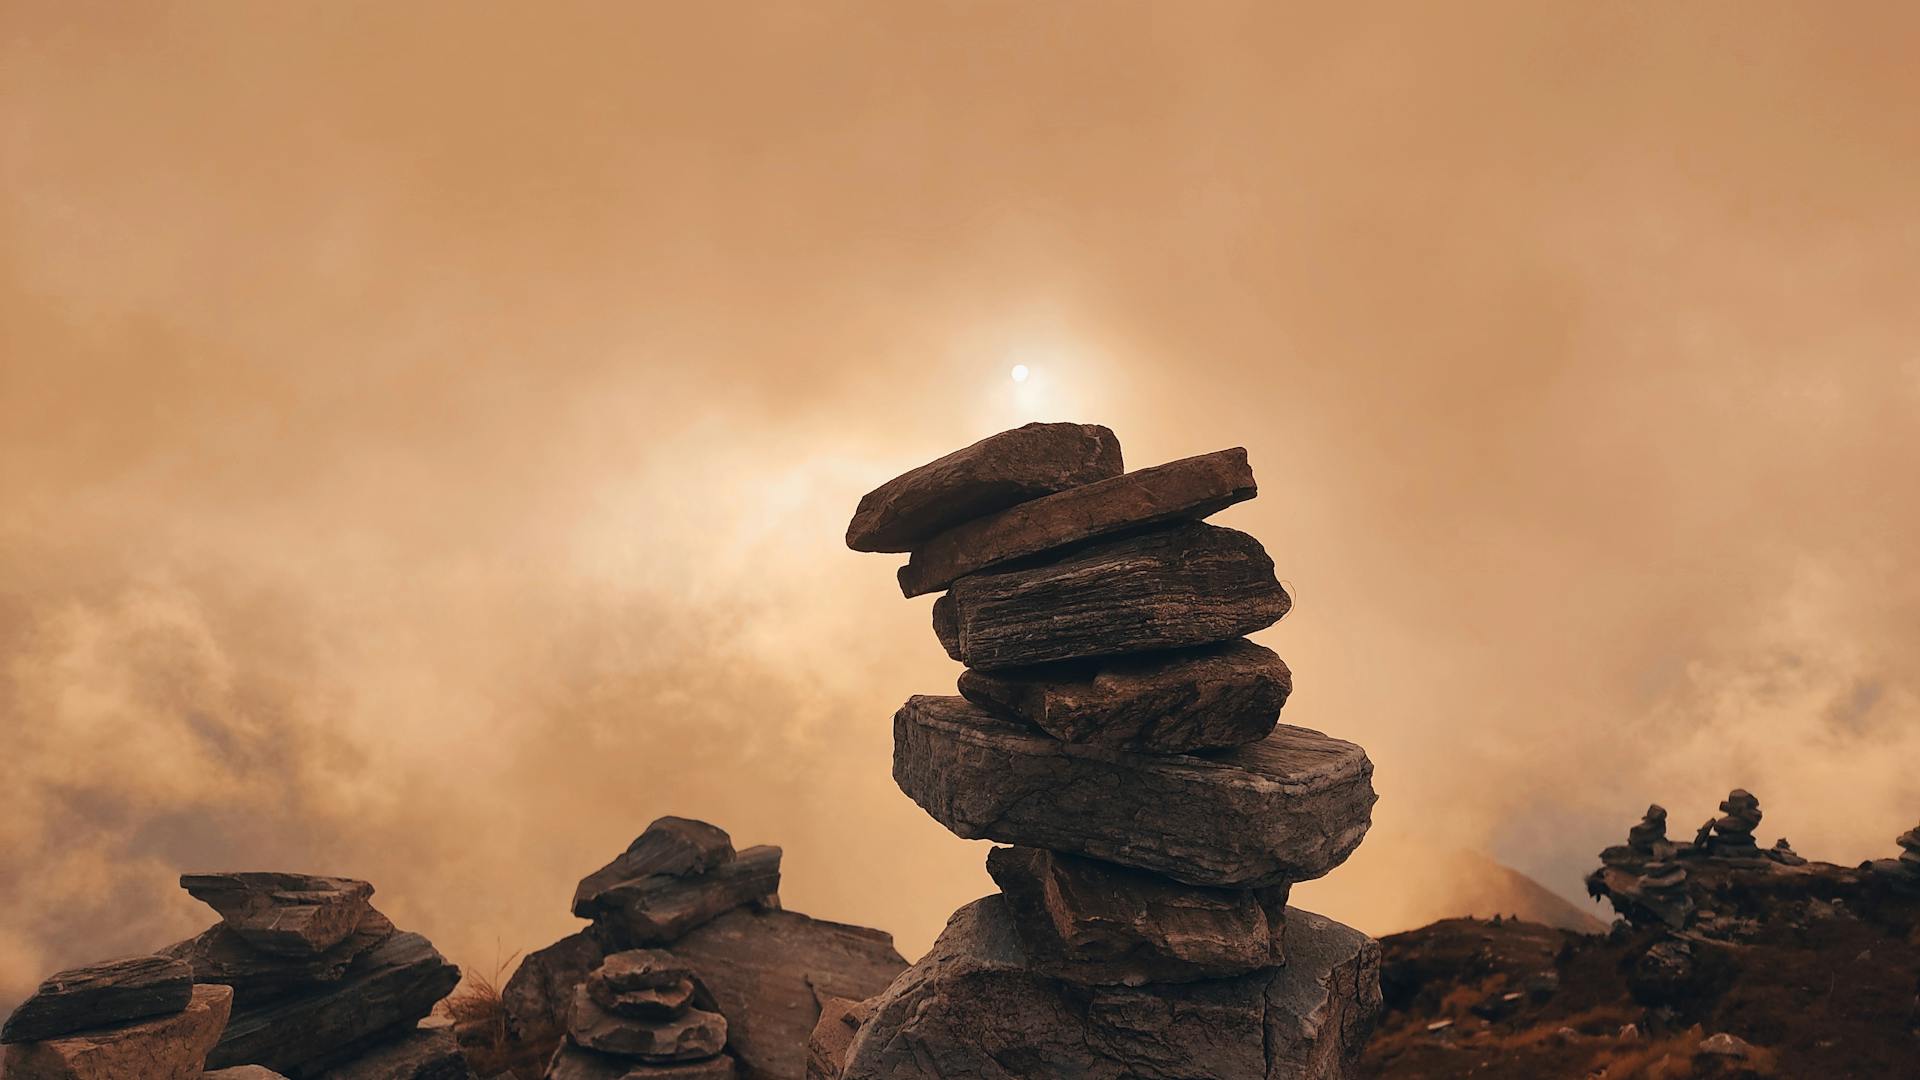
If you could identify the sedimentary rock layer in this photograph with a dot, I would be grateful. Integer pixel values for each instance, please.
(1171, 588)
(574, 1063)
(284, 914)
(1287, 808)
(101, 994)
(991, 475)
(690, 1035)
(219, 955)
(172, 1047)
(672, 846)
(415, 1055)
(658, 908)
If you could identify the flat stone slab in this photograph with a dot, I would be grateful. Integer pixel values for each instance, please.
(284, 914)
(990, 475)
(417, 1055)
(1095, 923)
(1190, 488)
(219, 955)
(646, 983)
(673, 846)
(690, 1035)
(171, 1047)
(1172, 588)
(1287, 808)
(1208, 698)
(972, 1008)
(540, 990)
(100, 994)
(573, 1063)
(655, 909)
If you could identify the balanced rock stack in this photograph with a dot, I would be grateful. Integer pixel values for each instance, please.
(639, 1015)
(1115, 726)
(141, 1017)
(1731, 834)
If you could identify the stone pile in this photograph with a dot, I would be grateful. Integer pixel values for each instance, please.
(141, 1017)
(689, 967)
(1732, 832)
(1116, 728)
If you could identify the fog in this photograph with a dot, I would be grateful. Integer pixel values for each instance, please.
(427, 431)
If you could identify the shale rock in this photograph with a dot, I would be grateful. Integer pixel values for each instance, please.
(1733, 832)
(417, 1055)
(242, 1072)
(573, 1063)
(768, 972)
(646, 983)
(971, 1008)
(1190, 488)
(537, 996)
(671, 846)
(1288, 808)
(1172, 588)
(992, 474)
(689, 1036)
(1090, 922)
(171, 1047)
(1208, 698)
(827, 1047)
(1646, 837)
(284, 914)
(83, 998)
(658, 908)
(220, 955)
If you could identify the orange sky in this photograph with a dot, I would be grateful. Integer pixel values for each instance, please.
(427, 431)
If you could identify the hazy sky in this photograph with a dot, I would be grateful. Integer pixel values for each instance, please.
(427, 431)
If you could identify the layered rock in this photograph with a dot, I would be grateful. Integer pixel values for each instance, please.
(990, 475)
(283, 914)
(1733, 830)
(96, 995)
(173, 1046)
(636, 1015)
(422, 1054)
(674, 847)
(658, 908)
(1188, 585)
(538, 994)
(1288, 808)
(219, 955)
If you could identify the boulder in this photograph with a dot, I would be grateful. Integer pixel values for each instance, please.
(659, 908)
(673, 846)
(647, 983)
(96, 995)
(689, 1036)
(1188, 489)
(284, 914)
(220, 955)
(1172, 588)
(571, 1062)
(769, 971)
(384, 993)
(1209, 698)
(971, 1008)
(418, 1055)
(171, 1047)
(242, 1072)
(540, 991)
(827, 1047)
(1287, 808)
(990, 475)
(1096, 923)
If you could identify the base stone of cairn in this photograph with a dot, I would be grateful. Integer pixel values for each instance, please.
(171, 1045)
(1116, 728)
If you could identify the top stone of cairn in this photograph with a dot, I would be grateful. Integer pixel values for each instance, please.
(995, 473)
(284, 914)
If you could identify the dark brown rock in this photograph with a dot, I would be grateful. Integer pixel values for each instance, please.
(537, 996)
(659, 908)
(1288, 808)
(573, 1063)
(827, 1047)
(384, 993)
(1091, 922)
(689, 1036)
(1172, 588)
(170, 1047)
(647, 983)
(991, 475)
(1188, 489)
(671, 846)
(96, 995)
(242, 1072)
(971, 1008)
(220, 955)
(284, 914)
(1207, 698)
(416, 1055)
(769, 971)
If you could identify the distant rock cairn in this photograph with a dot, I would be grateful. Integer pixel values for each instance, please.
(1118, 730)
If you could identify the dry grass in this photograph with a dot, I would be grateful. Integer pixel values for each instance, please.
(480, 1021)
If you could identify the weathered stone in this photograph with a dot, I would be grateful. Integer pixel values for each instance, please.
(673, 846)
(83, 998)
(417, 1055)
(384, 993)
(242, 1072)
(659, 908)
(827, 1047)
(1733, 832)
(768, 972)
(171, 1047)
(539, 992)
(284, 914)
(1188, 489)
(1092, 922)
(1207, 698)
(648, 983)
(971, 1008)
(689, 1036)
(573, 1063)
(1172, 588)
(1287, 808)
(220, 955)
(992, 474)
(1651, 831)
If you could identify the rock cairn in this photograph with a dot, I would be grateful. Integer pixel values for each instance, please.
(1732, 832)
(138, 1017)
(1117, 729)
(689, 968)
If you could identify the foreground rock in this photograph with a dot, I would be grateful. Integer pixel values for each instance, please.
(1288, 808)
(674, 847)
(990, 475)
(537, 996)
(1090, 922)
(219, 955)
(418, 1055)
(96, 995)
(1172, 588)
(1208, 698)
(688, 1035)
(659, 908)
(573, 1063)
(646, 983)
(972, 1008)
(172, 1047)
(284, 914)
(1190, 488)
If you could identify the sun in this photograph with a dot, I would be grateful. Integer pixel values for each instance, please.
(1020, 373)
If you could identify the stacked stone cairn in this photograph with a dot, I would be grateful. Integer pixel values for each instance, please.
(636, 1016)
(1731, 834)
(1116, 728)
(140, 1017)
